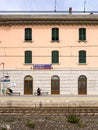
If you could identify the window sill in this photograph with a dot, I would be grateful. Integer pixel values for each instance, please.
(82, 41)
(82, 63)
(55, 41)
(27, 63)
(55, 63)
(29, 41)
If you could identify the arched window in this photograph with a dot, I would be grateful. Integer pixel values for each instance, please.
(82, 56)
(82, 84)
(28, 34)
(55, 56)
(28, 56)
(28, 85)
(82, 34)
(55, 34)
(55, 85)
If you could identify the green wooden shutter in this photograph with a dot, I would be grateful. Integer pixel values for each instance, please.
(28, 56)
(55, 34)
(55, 57)
(28, 34)
(82, 34)
(82, 56)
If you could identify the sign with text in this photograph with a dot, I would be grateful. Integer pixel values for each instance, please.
(6, 80)
(42, 66)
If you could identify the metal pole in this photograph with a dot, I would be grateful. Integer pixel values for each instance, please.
(3, 70)
(3, 79)
(84, 5)
(3, 76)
(55, 5)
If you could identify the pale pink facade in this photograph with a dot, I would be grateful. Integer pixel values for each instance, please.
(13, 47)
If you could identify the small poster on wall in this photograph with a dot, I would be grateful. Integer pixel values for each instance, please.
(13, 84)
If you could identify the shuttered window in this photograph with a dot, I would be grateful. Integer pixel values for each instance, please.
(28, 34)
(55, 56)
(28, 56)
(82, 34)
(55, 34)
(82, 56)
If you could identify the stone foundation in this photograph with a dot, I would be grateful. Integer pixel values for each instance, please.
(42, 79)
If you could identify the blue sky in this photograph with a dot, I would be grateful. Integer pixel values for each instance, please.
(47, 5)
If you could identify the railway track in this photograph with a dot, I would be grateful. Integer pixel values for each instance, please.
(36, 111)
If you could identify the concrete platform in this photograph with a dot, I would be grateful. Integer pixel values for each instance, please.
(48, 101)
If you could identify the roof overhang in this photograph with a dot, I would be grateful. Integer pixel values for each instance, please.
(48, 19)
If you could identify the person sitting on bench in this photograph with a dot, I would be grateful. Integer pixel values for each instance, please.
(38, 91)
(9, 91)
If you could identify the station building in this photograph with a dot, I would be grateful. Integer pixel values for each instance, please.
(55, 52)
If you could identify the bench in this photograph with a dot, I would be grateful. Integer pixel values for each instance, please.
(35, 93)
(42, 93)
(14, 93)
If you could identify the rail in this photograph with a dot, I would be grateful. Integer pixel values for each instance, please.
(48, 111)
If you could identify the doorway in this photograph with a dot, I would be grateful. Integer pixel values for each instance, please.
(82, 85)
(55, 85)
(28, 85)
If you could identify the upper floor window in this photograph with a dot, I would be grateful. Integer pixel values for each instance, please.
(28, 56)
(55, 56)
(55, 34)
(28, 34)
(82, 56)
(82, 34)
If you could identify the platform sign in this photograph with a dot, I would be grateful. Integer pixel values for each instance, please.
(42, 66)
(6, 80)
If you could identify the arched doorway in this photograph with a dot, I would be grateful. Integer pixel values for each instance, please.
(82, 85)
(28, 85)
(55, 85)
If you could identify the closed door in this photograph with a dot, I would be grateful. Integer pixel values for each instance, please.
(55, 85)
(82, 85)
(28, 85)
